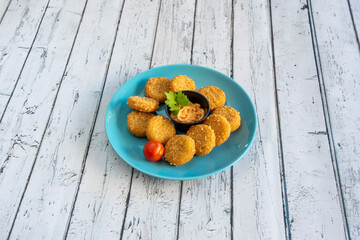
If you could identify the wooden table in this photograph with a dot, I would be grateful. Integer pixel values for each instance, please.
(61, 62)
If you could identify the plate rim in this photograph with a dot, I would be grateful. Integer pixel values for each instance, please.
(183, 178)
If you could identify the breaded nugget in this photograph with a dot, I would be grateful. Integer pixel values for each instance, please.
(214, 95)
(156, 87)
(182, 82)
(204, 138)
(137, 121)
(231, 115)
(143, 104)
(179, 150)
(220, 126)
(160, 128)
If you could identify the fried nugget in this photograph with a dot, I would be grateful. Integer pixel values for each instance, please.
(143, 104)
(137, 121)
(214, 95)
(231, 115)
(156, 87)
(182, 82)
(204, 138)
(179, 150)
(221, 127)
(160, 128)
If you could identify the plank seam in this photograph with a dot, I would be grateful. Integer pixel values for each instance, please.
(156, 28)
(281, 154)
(93, 126)
(7, 7)
(179, 211)
(48, 121)
(353, 23)
(132, 173)
(328, 124)
(232, 168)
(127, 204)
(193, 35)
(25, 61)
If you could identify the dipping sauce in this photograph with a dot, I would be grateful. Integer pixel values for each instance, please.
(189, 114)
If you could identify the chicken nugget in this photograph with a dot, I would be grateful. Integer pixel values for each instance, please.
(156, 87)
(179, 150)
(214, 95)
(137, 121)
(220, 126)
(143, 104)
(182, 82)
(204, 138)
(160, 128)
(231, 115)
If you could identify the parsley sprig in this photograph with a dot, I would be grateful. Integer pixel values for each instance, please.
(176, 100)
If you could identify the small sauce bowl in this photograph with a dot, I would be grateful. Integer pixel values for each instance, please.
(194, 97)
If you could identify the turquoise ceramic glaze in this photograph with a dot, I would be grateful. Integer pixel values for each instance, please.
(221, 157)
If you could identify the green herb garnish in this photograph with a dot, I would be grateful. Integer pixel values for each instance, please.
(176, 100)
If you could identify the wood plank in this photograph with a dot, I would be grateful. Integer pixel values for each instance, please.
(27, 114)
(54, 181)
(18, 30)
(154, 203)
(339, 61)
(313, 200)
(206, 203)
(354, 7)
(102, 199)
(257, 196)
(4, 5)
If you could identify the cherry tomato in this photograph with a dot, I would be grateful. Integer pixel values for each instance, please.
(153, 150)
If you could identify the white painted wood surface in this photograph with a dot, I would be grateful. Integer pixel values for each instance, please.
(354, 8)
(338, 59)
(17, 30)
(257, 195)
(313, 202)
(58, 166)
(4, 5)
(25, 120)
(61, 62)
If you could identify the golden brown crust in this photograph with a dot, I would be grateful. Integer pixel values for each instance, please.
(214, 95)
(143, 104)
(204, 138)
(220, 126)
(156, 87)
(137, 121)
(182, 82)
(160, 128)
(231, 115)
(179, 150)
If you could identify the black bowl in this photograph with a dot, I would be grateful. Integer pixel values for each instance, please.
(194, 97)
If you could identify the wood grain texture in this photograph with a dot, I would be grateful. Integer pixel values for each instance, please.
(154, 203)
(4, 5)
(102, 199)
(18, 30)
(313, 200)
(53, 184)
(174, 33)
(206, 203)
(27, 114)
(339, 61)
(257, 201)
(354, 7)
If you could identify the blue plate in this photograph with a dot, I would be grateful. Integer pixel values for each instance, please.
(221, 157)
